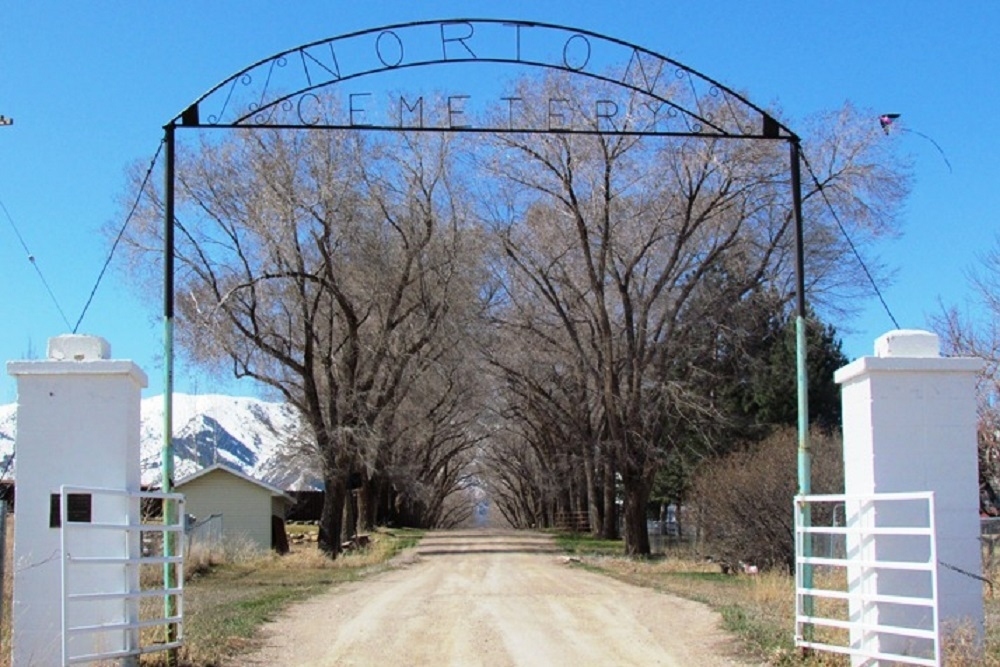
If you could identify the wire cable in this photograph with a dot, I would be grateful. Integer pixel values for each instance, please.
(34, 263)
(847, 236)
(121, 233)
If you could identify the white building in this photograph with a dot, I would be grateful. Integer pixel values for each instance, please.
(246, 505)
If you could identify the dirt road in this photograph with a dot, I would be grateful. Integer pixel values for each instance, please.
(494, 599)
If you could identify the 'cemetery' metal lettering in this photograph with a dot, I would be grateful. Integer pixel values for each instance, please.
(660, 96)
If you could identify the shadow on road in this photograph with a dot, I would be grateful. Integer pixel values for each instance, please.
(485, 542)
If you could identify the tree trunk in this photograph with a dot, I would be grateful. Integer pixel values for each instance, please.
(350, 516)
(331, 521)
(634, 510)
(609, 529)
(367, 504)
(378, 501)
(564, 513)
(677, 518)
(390, 510)
(590, 481)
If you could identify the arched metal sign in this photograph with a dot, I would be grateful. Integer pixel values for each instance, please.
(282, 90)
(666, 98)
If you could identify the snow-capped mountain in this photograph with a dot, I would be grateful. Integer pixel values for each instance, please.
(8, 427)
(253, 436)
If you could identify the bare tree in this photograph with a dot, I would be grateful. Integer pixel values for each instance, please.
(548, 401)
(425, 471)
(744, 500)
(332, 267)
(616, 238)
(346, 273)
(974, 331)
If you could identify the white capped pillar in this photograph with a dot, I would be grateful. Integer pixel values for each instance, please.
(78, 424)
(910, 426)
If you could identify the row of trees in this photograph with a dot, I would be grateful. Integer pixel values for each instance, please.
(975, 331)
(344, 274)
(551, 318)
(644, 283)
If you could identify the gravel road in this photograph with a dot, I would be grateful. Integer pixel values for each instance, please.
(493, 598)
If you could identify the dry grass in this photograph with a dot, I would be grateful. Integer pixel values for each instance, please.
(225, 604)
(231, 589)
(8, 593)
(760, 609)
(962, 648)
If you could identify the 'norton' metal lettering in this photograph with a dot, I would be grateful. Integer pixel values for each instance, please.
(389, 47)
(635, 90)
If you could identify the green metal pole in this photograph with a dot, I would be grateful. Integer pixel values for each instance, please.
(802, 382)
(802, 377)
(167, 453)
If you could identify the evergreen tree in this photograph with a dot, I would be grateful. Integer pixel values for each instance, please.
(773, 395)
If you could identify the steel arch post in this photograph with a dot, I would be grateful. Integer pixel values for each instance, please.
(167, 453)
(801, 369)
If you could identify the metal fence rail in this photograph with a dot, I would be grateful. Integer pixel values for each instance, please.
(76, 536)
(859, 561)
(204, 533)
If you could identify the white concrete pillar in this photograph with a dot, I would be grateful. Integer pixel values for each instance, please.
(910, 426)
(78, 424)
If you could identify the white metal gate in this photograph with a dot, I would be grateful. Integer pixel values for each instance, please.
(885, 539)
(82, 560)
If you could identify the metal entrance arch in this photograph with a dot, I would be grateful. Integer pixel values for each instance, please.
(280, 92)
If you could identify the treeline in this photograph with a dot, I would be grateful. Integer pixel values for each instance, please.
(543, 322)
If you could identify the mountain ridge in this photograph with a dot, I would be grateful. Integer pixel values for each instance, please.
(259, 438)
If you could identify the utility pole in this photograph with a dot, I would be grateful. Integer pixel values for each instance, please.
(3, 503)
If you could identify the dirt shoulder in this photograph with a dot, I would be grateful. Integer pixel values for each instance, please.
(494, 598)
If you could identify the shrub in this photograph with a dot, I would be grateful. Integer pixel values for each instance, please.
(745, 499)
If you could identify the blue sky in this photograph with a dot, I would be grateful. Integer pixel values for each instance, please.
(90, 85)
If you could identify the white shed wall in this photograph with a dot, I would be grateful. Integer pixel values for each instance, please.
(245, 507)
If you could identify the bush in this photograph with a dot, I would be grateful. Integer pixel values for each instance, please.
(745, 499)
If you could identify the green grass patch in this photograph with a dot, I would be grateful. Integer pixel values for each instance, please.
(761, 635)
(581, 544)
(404, 538)
(217, 612)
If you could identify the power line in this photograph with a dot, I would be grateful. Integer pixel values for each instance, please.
(4, 122)
(121, 232)
(843, 230)
(34, 263)
(107, 262)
